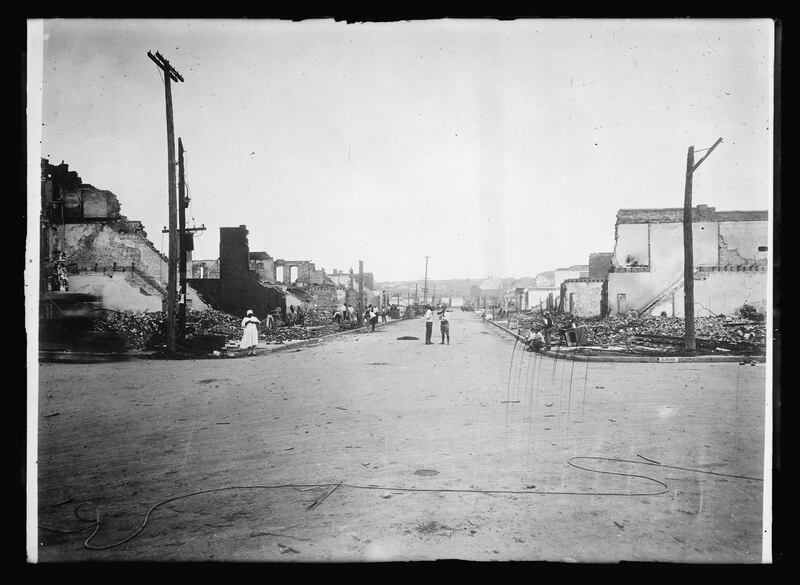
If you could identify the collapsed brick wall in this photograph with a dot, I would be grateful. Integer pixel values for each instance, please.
(583, 298)
(599, 264)
(234, 253)
(238, 295)
(326, 298)
(112, 249)
(740, 243)
(88, 203)
(102, 245)
(210, 269)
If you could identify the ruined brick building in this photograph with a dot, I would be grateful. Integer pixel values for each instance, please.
(238, 287)
(730, 261)
(87, 245)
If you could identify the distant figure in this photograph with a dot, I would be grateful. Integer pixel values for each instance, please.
(351, 315)
(301, 315)
(534, 341)
(250, 335)
(444, 324)
(384, 314)
(277, 315)
(428, 325)
(373, 316)
(548, 327)
(270, 321)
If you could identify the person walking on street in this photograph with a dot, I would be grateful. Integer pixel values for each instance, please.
(444, 324)
(428, 325)
(250, 335)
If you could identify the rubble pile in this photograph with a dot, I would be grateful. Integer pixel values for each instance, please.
(137, 330)
(212, 322)
(315, 317)
(660, 334)
(148, 330)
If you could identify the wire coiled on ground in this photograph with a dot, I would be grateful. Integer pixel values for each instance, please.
(330, 486)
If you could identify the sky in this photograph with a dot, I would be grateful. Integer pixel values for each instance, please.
(498, 148)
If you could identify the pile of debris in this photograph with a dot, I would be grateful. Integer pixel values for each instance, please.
(137, 330)
(315, 317)
(148, 330)
(659, 335)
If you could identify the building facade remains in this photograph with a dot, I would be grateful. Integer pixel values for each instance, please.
(730, 261)
(87, 245)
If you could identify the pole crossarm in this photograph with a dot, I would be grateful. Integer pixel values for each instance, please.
(163, 64)
(705, 156)
(191, 229)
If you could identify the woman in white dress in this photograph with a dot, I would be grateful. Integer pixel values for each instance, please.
(250, 336)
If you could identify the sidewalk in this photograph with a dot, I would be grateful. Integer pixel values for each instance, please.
(606, 355)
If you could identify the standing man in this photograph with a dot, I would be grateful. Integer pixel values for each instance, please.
(444, 324)
(428, 325)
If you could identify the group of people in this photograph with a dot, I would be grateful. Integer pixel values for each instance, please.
(444, 324)
(345, 316)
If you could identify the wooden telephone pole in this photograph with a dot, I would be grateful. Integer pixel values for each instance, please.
(183, 241)
(170, 74)
(360, 293)
(425, 286)
(688, 250)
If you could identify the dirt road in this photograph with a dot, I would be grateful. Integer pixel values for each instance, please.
(467, 451)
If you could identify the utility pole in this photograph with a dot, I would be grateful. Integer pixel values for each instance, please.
(688, 250)
(425, 286)
(170, 74)
(183, 244)
(360, 293)
(416, 294)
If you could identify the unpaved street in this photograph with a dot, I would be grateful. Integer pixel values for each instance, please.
(442, 452)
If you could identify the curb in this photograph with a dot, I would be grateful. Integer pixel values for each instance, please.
(637, 358)
(320, 340)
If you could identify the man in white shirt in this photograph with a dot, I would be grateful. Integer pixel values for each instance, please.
(428, 325)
